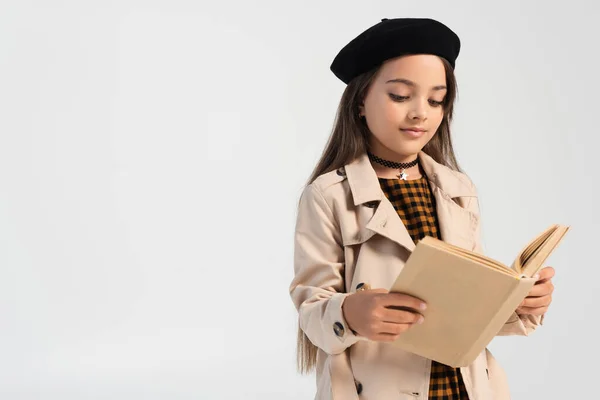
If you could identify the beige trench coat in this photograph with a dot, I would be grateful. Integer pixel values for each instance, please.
(347, 233)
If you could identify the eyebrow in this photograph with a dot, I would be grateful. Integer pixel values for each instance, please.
(411, 83)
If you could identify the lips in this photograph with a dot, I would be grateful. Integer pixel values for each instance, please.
(414, 132)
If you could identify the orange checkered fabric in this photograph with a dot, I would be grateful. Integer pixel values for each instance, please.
(415, 204)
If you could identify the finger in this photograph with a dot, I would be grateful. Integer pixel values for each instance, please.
(546, 274)
(379, 290)
(403, 301)
(396, 331)
(543, 289)
(532, 310)
(543, 301)
(400, 316)
(392, 328)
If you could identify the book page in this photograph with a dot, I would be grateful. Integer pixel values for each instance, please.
(532, 256)
(530, 248)
(479, 258)
(534, 261)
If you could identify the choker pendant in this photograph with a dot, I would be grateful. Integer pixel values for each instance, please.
(403, 175)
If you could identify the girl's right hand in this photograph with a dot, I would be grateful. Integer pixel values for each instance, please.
(382, 316)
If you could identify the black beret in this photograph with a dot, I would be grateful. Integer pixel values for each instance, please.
(391, 38)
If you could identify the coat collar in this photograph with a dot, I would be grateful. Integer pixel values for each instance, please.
(365, 187)
(457, 225)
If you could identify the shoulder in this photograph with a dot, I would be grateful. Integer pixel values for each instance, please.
(328, 184)
(463, 180)
(463, 190)
(326, 190)
(325, 181)
(454, 183)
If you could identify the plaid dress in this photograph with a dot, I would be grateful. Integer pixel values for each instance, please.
(415, 205)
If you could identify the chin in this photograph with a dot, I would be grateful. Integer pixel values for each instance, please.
(401, 146)
(406, 150)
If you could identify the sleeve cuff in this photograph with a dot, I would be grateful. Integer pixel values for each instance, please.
(341, 332)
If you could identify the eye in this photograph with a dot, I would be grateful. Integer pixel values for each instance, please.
(395, 97)
(398, 98)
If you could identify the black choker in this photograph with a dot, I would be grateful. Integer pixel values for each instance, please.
(395, 165)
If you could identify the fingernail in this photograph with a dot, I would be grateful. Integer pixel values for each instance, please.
(420, 320)
(536, 276)
(422, 306)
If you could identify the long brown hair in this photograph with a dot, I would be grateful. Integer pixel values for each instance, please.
(349, 139)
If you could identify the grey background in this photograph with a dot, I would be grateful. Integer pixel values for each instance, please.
(151, 158)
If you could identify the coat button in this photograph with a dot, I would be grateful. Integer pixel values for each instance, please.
(338, 329)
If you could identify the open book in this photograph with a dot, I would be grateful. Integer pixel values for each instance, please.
(469, 296)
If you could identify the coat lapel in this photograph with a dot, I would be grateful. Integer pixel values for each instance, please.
(386, 222)
(367, 193)
(457, 225)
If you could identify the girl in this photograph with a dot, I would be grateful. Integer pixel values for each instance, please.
(387, 178)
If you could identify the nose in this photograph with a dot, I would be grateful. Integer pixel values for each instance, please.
(418, 110)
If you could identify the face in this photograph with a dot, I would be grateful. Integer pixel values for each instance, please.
(403, 106)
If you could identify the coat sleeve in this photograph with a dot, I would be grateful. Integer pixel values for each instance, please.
(522, 325)
(317, 288)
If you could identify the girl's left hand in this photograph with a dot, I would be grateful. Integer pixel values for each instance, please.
(540, 296)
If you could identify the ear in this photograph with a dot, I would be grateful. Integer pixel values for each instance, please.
(361, 110)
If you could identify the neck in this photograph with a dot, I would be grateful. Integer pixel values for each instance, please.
(383, 152)
(392, 156)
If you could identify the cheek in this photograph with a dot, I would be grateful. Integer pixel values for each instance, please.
(436, 117)
(380, 115)
(385, 121)
(394, 113)
(389, 115)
